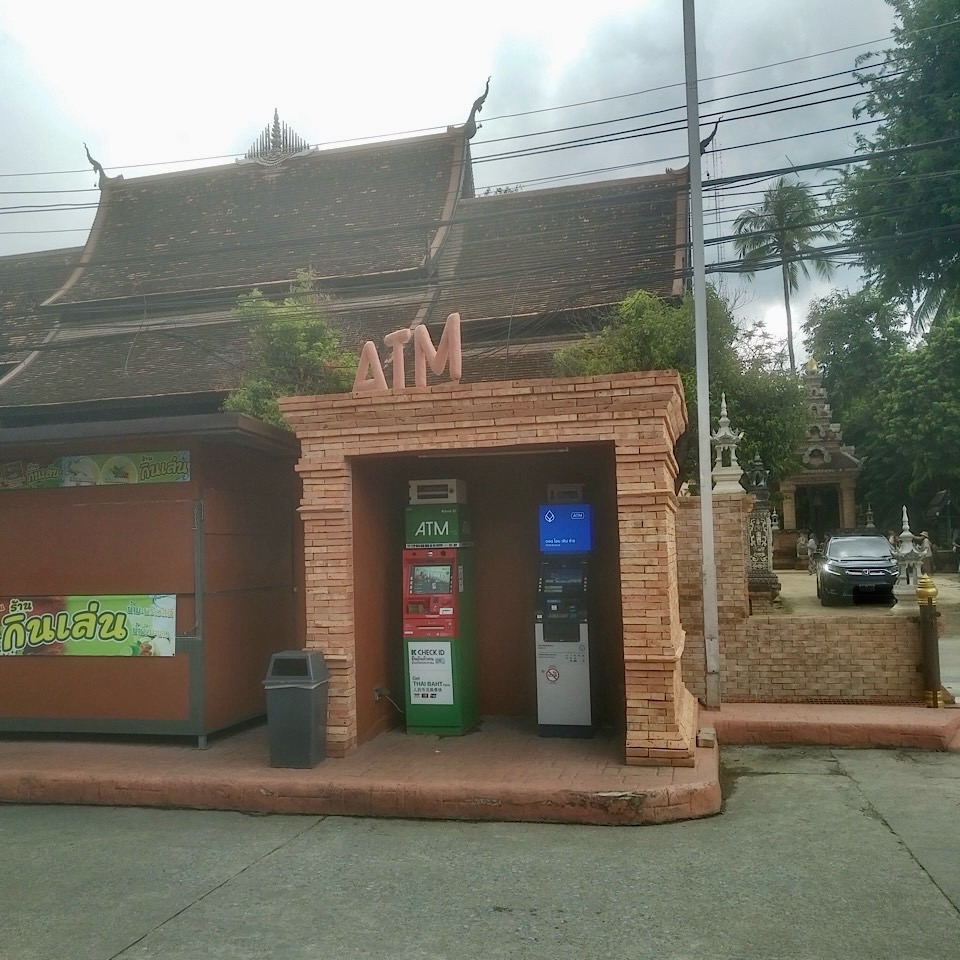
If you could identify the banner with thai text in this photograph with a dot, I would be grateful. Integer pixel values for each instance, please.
(102, 626)
(164, 466)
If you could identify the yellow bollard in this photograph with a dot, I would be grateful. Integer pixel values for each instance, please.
(929, 643)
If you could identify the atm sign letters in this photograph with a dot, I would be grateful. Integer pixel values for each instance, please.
(370, 377)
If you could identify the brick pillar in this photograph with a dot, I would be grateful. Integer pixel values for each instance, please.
(328, 546)
(661, 714)
(730, 530)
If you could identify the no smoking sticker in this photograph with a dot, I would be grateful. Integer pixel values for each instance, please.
(552, 674)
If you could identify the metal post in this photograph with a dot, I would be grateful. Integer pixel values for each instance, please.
(711, 619)
(929, 642)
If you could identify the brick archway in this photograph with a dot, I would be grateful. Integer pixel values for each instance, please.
(642, 414)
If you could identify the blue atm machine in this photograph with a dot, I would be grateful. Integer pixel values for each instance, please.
(565, 675)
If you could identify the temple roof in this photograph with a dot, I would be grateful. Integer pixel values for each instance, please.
(367, 211)
(25, 282)
(543, 251)
(134, 364)
(142, 317)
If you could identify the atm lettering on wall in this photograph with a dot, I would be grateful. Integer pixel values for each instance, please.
(448, 355)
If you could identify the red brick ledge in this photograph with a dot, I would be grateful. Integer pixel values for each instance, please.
(490, 800)
(835, 725)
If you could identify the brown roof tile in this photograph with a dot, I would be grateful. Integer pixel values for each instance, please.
(355, 211)
(528, 272)
(545, 251)
(135, 364)
(26, 280)
(201, 354)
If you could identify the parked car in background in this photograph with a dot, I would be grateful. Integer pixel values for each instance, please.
(858, 564)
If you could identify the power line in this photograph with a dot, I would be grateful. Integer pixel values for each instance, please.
(639, 132)
(440, 128)
(680, 107)
(652, 130)
(623, 266)
(410, 228)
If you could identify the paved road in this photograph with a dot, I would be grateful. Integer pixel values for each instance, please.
(819, 853)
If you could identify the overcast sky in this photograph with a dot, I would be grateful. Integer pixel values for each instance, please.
(150, 84)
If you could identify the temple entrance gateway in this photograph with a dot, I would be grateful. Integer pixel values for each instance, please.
(822, 497)
(818, 509)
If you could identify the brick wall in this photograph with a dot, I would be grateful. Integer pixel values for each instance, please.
(779, 659)
(730, 531)
(641, 414)
(776, 658)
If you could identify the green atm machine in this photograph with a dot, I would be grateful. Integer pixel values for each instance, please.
(439, 642)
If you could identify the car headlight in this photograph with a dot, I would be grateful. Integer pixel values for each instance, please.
(830, 567)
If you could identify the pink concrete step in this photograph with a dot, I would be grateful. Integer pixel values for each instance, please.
(502, 772)
(838, 725)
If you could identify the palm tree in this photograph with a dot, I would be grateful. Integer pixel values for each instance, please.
(783, 231)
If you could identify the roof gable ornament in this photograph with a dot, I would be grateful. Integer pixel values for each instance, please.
(471, 127)
(276, 143)
(97, 168)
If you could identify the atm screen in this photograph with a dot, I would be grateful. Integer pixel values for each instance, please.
(557, 580)
(431, 578)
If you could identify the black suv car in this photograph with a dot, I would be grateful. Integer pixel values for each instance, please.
(854, 565)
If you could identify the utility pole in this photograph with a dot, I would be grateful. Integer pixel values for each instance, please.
(711, 619)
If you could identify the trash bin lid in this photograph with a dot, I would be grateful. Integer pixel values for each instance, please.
(297, 667)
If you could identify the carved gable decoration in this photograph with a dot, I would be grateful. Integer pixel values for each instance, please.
(275, 144)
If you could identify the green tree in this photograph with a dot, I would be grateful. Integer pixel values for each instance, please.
(855, 337)
(913, 449)
(647, 333)
(904, 209)
(294, 352)
(783, 232)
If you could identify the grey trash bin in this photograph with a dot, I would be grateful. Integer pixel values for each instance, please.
(296, 688)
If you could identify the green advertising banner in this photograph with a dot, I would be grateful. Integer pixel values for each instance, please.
(103, 626)
(163, 466)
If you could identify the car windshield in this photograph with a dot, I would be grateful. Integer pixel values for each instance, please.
(858, 548)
